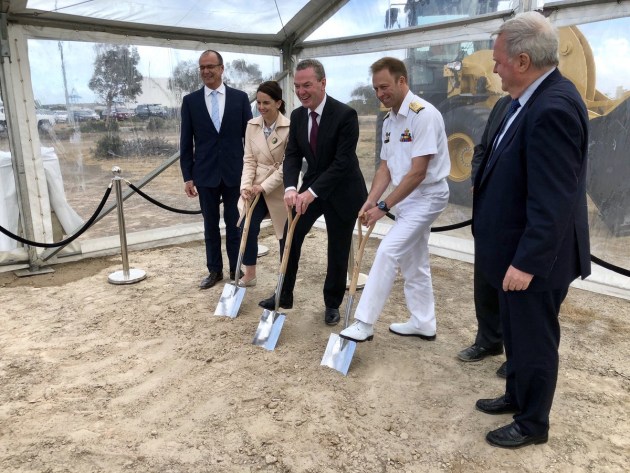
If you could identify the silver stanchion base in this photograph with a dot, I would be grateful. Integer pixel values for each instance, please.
(135, 275)
(262, 250)
(360, 282)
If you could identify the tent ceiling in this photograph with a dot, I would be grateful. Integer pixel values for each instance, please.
(242, 22)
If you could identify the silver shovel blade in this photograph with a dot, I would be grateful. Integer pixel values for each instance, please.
(230, 301)
(338, 354)
(268, 330)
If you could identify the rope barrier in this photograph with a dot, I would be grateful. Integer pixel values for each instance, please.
(444, 228)
(69, 239)
(594, 259)
(160, 204)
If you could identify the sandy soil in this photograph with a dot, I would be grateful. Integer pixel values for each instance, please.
(102, 378)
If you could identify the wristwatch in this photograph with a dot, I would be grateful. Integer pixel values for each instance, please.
(383, 206)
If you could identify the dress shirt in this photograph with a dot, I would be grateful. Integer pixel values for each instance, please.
(220, 98)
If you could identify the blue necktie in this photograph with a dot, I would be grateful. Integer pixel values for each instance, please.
(214, 105)
(514, 106)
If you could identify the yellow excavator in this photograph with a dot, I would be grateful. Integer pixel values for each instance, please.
(473, 89)
(458, 79)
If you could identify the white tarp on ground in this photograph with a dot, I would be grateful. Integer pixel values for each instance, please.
(9, 210)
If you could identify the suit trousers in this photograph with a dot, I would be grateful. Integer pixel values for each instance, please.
(489, 333)
(209, 201)
(406, 246)
(531, 333)
(339, 232)
(250, 255)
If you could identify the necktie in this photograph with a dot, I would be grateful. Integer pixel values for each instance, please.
(514, 106)
(214, 105)
(314, 131)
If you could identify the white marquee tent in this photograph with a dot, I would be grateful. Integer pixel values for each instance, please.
(48, 49)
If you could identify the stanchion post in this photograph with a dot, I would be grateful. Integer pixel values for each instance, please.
(126, 276)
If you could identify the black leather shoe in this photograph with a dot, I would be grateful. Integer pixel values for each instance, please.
(510, 436)
(502, 371)
(233, 273)
(477, 352)
(210, 280)
(331, 316)
(496, 406)
(286, 302)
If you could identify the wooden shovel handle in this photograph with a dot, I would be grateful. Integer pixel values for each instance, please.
(291, 223)
(249, 210)
(359, 255)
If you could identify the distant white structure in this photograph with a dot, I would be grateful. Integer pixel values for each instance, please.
(155, 90)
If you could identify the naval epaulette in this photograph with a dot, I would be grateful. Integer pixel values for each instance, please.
(415, 106)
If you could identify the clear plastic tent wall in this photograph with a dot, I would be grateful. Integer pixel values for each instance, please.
(80, 134)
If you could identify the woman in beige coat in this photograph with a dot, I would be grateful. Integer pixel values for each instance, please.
(265, 141)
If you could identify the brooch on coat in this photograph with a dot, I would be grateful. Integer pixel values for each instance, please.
(274, 140)
(406, 136)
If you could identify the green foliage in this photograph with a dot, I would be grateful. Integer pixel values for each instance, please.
(116, 77)
(185, 78)
(100, 126)
(109, 146)
(156, 123)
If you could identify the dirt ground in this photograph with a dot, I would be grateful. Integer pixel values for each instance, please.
(102, 378)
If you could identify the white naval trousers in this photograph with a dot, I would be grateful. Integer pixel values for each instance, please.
(406, 246)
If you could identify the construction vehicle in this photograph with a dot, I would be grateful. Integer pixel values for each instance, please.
(459, 80)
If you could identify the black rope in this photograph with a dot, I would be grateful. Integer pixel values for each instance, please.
(594, 259)
(160, 204)
(611, 267)
(69, 239)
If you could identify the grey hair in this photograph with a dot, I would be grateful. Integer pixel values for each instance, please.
(533, 34)
(317, 66)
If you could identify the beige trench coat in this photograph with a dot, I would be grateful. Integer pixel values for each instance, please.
(263, 165)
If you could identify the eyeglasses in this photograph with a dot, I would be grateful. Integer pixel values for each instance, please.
(210, 67)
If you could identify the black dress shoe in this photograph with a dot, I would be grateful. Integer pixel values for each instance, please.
(331, 316)
(286, 302)
(510, 436)
(502, 371)
(233, 273)
(500, 405)
(210, 280)
(477, 352)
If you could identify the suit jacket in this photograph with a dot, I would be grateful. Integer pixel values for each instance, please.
(208, 155)
(529, 205)
(263, 165)
(492, 127)
(333, 172)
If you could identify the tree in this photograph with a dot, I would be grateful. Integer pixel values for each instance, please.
(364, 100)
(185, 78)
(242, 75)
(116, 77)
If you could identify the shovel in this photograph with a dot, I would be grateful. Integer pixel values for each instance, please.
(232, 295)
(271, 321)
(339, 351)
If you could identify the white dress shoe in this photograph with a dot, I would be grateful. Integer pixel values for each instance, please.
(358, 332)
(250, 283)
(408, 330)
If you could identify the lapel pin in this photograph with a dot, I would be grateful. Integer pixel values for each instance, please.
(274, 141)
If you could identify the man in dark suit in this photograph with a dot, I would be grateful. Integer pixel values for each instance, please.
(530, 220)
(214, 119)
(325, 132)
(489, 339)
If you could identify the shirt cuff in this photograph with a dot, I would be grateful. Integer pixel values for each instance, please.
(312, 192)
(290, 188)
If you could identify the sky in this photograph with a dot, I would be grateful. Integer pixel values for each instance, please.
(610, 42)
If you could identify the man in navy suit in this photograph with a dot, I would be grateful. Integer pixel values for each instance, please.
(214, 119)
(489, 338)
(325, 132)
(530, 220)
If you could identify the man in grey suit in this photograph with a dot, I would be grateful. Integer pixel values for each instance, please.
(214, 119)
